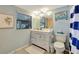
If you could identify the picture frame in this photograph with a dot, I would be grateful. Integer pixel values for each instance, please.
(6, 21)
(62, 15)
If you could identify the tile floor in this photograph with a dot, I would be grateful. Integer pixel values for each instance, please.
(23, 51)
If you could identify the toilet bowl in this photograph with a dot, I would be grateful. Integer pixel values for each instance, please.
(59, 44)
(59, 47)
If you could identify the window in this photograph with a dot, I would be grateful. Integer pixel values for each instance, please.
(23, 21)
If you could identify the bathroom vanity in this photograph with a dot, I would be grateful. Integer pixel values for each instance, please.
(42, 38)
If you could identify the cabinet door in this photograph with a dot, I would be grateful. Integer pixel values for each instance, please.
(45, 37)
(34, 37)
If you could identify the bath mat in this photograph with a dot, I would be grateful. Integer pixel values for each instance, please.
(34, 50)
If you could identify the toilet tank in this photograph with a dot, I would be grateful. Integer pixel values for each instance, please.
(61, 38)
(61, 29)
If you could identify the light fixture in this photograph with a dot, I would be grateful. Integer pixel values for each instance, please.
(33, 15)
(44, 10)
(41, 14)
(49, 13)
(36, 12)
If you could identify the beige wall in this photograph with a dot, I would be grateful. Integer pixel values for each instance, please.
(10, 39)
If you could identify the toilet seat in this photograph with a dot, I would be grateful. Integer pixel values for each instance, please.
(59, 45)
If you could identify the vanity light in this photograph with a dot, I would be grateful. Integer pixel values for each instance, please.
(33, 15)
(36, 12)
(44, 10)
(41, 14)
(49, 13)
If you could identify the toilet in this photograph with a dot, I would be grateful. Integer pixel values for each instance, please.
(61, 29)
(59, 44)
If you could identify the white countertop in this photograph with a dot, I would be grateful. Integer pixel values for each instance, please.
(43, 30)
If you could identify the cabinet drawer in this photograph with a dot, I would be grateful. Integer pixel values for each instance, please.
(44, 38)
(35, 35)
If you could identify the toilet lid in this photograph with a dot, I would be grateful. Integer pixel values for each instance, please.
(59, 45)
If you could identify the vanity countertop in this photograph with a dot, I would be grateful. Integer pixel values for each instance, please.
(43, 30)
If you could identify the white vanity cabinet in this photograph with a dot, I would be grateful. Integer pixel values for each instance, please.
(42, 39)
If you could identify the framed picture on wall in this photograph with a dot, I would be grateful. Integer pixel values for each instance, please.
(6, 21)
(61, 15)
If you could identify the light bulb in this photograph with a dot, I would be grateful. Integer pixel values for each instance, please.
(41, 14)
(33, 15)
(36, 12)
(44, 10)
(49, 13)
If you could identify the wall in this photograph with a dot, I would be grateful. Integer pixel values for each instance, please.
(10, 39)
(64, 23)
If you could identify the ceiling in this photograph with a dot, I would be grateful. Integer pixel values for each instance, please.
(31, 8)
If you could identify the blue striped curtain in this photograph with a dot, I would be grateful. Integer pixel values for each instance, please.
(74, 29)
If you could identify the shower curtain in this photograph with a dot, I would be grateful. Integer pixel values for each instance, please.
(74, 29)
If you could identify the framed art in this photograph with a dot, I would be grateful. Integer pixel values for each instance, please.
(61, 15)
(6, 21)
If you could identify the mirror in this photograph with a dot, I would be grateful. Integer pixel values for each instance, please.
(46, 22)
